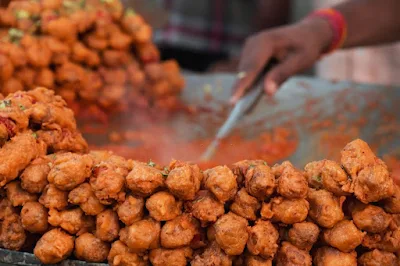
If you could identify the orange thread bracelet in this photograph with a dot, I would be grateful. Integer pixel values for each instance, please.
(338, 25)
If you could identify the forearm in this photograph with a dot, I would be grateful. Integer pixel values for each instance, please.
(371, 22)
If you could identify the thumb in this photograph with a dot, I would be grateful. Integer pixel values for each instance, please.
(290, 66)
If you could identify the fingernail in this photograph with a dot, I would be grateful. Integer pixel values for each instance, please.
(271, 87)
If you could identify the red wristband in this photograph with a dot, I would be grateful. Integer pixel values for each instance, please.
(338, 25)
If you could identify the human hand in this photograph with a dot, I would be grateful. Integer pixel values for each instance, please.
(296, 47)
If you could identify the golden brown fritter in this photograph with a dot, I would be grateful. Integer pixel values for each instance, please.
(170, 257)
(371, 181)
(377, 258)
(331, 256)
(387, 241)
(131, 210)
(303, 235)
(6, 208)
(392, 204)
(231, 233)
(12, 85)
(69, 170)
(90, 248)
(7, 68)
(54, 246)
(63, 140)
(17, 154)
(221, 182)
(34, 217)
(141, 235)
(344, 236)
(184, 180)
(44, 77)
(121, 255)
(292, 184)
(12, 234)
(325, 208)
(70, 220)
(328, 175)
(108, 179)
(263, 239)
(17, 196)
(370, 218)
(163, 206)
(205, 207)
(84, 196)
(107, 225)
(259, 181)
(289, 255)
(34, 177)
(251, 260)
(144, 180)
(288, 211)
(53, 198)
(245, 205)
(212, 255)
(179, 232)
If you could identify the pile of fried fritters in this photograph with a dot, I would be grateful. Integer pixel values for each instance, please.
(61, 201)
(88, 51)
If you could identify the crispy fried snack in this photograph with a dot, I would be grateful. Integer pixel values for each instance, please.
(259, 180)
(131, 210)
(212, 255)
(291, 255)
(344, 236)
(163, 206)
(34, 177)
(121, 255)
(70, 220)
(107, 225)
(34, 217)
(89, 248)
(263, 239)
(170, 257)
(331, 256)
(231, 233)
(17, 196)
(84, 196)
(179, 232)
(377, 257)
(288, 211)
(54, 246)
(292, 184)
(12, 233)
(245, 205)
(53, 198)
(144, 180)
(370, 218)
(221, 182)
(303, 235)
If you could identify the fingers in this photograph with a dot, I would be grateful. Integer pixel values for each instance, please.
(291, 65)
(254, 56)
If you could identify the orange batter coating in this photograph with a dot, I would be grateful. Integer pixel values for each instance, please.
(91, 249)
(212, 255)
(331, 256)
(263, 239)
(292, 183)
(144, 180)
(53, 198)
(34, 177)
(107, 225)
(170, 257)
(70, 220)
(303, 235)
(344, 236)
(377, 257)
(291, 255)
(392, 204)
(163, 206)
(12, 233)
(231, 233)
(131, 210)
(245, 205)
(221, 182)
(17, 196)
(54, 246)
(121, 255)
(179, 232)
(370, 218)
(259, 181)
(288, 211)
(34, 217)
(141, 235)
(184, 180)
(84, 196)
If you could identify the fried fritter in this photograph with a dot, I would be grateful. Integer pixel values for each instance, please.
(184, 180)
(331, 256)
(54, 246)
(53, 198)
(344, 236)
(263, 239)
(289, 255)
(107, 225)
(288, 211)
(144, 180)
(131, 210)
(122, 256)
(328, 175)
(70, 170)
(212, 255)
(34, 217)
(34, 177)
(84, 196)
(392, 204)
(90, 248)
(245, 205)
(205, 207)
(70, 220)
(292, 184)
(303, 235)
(17, 196)
(163, 206)
(377, 258)
(259, 181)
(179, 232)
(221, 182)
(141, 235)
(370, 218)
(231, 233)
(170, 257)
(325, 208)
(12, 233)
